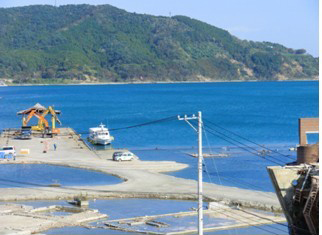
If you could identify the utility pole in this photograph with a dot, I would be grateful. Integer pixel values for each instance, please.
(199, 131)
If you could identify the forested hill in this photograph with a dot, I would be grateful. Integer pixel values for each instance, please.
(84, 43)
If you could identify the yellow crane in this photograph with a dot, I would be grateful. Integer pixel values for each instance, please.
(42, 122)
(54, 118)
(40, 112)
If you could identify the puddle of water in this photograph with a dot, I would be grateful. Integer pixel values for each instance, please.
(81, 230)
(56, 213)
(177, 224)
(37, 175)
(128, 208)
(255, 230)
(263, 230)
(118, 209)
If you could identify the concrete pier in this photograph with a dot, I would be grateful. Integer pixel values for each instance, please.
(19, 219)
(142, 179)
(236, 219)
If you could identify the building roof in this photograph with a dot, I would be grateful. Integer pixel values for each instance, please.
(38, 107)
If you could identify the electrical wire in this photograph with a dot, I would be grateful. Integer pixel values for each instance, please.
(205, 164)
(123, 128)
(145, 124)
(288, 226)
(246, 148)
(244, 138)
(239, 181)
(215, 165)
(251, 220)
(222, 177)
(42, 187)
(205, 130)
(206, 169)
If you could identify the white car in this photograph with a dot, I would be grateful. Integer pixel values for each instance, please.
(123, 156)
(8, 150)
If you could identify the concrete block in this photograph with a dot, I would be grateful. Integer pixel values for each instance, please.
(24, 151)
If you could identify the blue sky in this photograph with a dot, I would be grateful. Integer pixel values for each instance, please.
(293, 23)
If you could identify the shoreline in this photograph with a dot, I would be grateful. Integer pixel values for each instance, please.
(157, 82)
(141, 178)
(226, 195)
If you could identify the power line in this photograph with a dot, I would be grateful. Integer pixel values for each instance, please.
(126, 127)
(244, 138)
(231, 138)
(211, 153)
(206, 169)
(46, 188)
(250, 184)
(248, 219)
(238, 181)
(246, 148)
(76, 189)
(146, 123)
(288, 226)
(251, 220)
(240, 215)
(222, 177)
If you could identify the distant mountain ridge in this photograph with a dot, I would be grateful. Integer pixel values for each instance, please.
(85, 43)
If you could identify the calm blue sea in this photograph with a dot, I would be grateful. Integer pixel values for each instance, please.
(265, 112)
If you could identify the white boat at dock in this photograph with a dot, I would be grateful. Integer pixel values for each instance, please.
(100, 135)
